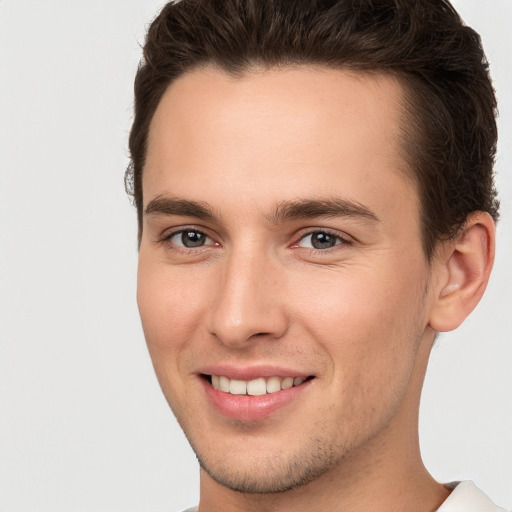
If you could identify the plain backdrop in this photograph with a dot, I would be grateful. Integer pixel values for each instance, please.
(83, 424)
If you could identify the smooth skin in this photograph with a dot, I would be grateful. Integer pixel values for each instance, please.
(302, 250)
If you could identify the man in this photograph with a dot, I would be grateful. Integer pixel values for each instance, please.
(314, 186)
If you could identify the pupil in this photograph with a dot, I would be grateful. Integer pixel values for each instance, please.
(322, 240)
(192, 239)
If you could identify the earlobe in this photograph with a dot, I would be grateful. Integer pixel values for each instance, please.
(464, 266)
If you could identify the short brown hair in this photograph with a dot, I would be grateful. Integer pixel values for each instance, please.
(450, 101)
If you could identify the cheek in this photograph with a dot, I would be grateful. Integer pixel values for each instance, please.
(169, 306)
(358, 301)
(369, 324)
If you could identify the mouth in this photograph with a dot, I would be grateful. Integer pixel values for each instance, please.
(255, 387)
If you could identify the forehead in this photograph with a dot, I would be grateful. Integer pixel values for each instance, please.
(313, 129)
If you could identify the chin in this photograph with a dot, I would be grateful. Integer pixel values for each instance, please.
(269, 474)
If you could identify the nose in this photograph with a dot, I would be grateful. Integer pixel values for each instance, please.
(248, 301)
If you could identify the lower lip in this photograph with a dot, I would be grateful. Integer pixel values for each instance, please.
(252, 408)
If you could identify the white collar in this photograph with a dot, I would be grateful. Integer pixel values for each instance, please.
(467, 497)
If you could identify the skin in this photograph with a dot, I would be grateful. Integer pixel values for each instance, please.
(360, 316)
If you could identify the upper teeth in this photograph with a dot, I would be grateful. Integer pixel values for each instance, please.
(255, 387)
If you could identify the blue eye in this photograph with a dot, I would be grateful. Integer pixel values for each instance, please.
(189, 238)
(319, 240)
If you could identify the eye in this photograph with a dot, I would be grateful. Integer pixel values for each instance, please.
(320, 240)
(189, 238)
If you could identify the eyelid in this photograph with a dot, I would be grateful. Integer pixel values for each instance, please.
(343, 238)
(168, 234)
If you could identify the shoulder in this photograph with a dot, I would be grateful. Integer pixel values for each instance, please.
(467, 497)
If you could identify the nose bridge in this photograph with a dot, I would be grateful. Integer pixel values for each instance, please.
(246, 302)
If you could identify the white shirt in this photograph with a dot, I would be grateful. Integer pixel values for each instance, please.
(467, 497)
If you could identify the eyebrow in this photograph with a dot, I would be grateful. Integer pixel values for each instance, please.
(173, 206)
(313, 208)
(284, 211)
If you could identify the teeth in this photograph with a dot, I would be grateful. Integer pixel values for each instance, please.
(256, 387)
(273, 384)
(287, 383)
(238, 387)
(223, 384)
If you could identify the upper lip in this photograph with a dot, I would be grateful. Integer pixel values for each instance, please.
(250, 372)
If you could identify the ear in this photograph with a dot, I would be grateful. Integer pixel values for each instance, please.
(463, 267)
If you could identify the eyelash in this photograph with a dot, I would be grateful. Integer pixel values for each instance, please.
(338, 240)
(167, 239)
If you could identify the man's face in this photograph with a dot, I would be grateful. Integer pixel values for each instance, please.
(281, 241)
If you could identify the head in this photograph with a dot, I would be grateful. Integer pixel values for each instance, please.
(449, 129)
(314, 189)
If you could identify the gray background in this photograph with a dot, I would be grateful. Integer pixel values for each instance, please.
(83, 425)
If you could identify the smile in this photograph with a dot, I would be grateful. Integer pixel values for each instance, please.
(252, 394)
(255, 387)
